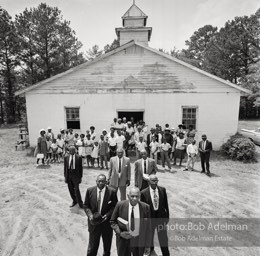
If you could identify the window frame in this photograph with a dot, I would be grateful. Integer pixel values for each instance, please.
(195, 125)
(71, 118)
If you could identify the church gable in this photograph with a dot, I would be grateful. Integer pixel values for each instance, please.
(133, 68)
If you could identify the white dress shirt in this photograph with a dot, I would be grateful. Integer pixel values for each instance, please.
(103, 191)
(73, 161)
(137, 219)
(152, 196)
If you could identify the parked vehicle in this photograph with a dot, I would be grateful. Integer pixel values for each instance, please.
(253, 135)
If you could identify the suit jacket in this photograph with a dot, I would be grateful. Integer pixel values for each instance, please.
(150, 169)
(108, 204)
(119, 179)
(121, 210)
(163, 209)
(77, 173)
(208, 147)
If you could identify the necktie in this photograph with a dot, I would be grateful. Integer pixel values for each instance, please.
(144, 166)
(155, 200)
(71, 163)
(119, 169)
(132, 220)
(99, 201)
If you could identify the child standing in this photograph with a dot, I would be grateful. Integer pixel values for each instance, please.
(103, 151)
(154, 146)
(94, 154)
(60, 143)
(140, 146)
(88, 144)
(49, 150)
(80, 147)
(54, 149)
(192, 152)
(165, 147)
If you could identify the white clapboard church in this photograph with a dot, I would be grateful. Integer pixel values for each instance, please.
(134, 80)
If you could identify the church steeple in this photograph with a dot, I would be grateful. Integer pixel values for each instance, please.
(134, 26)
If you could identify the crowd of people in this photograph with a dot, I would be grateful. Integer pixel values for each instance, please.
(165, 145)
(134, 217)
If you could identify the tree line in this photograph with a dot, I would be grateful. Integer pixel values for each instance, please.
(39, 43)
(232, 53)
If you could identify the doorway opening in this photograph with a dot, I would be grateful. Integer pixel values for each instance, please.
(137, 115)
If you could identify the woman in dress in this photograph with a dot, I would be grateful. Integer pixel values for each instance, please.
(41, 147)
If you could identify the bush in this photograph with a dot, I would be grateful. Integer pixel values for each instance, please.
(239, 148)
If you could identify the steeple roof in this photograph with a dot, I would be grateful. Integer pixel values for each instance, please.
(134, 11)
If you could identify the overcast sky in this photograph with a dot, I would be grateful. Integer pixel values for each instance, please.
(173, 21)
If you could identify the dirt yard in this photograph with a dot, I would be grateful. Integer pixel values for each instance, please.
(36, 220)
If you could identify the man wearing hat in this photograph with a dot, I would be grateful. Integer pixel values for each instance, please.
(119, 125)
(73, 175)
(99, 204)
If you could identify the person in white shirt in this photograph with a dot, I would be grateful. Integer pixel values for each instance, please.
(192, 152)
(164, 154)
(154, 147)
(140, 146)
(120, 140)
(119, 126)
(112, 144)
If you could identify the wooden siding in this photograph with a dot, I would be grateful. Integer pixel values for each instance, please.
(131, 70)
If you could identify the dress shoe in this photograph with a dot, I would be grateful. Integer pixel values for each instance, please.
(208, 174)
(73, 204)
(202, 172)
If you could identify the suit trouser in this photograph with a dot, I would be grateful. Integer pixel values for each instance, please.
(204, 159)
(144, 184)
(103, 230)
(162, 236)
(73, 185)
(128, 247)
(102, 158)
(122, 191)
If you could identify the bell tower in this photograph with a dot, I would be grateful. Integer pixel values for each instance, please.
(134, 27)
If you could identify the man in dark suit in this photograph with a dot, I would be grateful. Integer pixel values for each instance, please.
(132, 225)
(205, 147)
(143, 168)
(156, 197)
(73, 175)
(99, 204)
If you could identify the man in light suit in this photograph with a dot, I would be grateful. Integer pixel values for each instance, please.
(156, 197)
(99, 204)
(119, 174)
(73, 175)
(205, 147)
(132, 225)
(143, 168)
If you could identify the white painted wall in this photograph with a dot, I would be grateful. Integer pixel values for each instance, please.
(217, 112)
